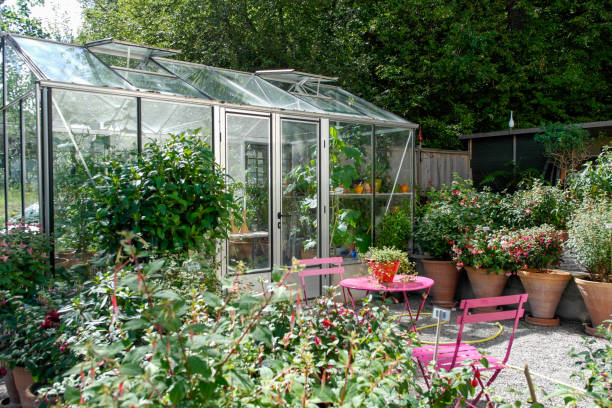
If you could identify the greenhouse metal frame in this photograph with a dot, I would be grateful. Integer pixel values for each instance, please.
(319, 167)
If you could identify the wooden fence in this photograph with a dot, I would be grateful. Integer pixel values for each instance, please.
(435, 167)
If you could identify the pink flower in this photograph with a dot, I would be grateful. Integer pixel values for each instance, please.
(527, 210)
(317, 340)
(29, 251)
(4, 258)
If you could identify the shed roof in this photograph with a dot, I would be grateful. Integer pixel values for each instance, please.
(529, 131)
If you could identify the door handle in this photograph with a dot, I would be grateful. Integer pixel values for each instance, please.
(280, 215)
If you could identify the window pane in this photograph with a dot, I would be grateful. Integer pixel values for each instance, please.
(351, 189)
(19, 78)
(69, 63)
(159, 83)
(394, 174)
(358, 103)
(159, 119)
(299, 228)
(14, 165)
(2, 191)
(31, 162)
(87, 127)
(248, 162)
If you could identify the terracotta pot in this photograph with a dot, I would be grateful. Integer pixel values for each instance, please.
(11, 389)
(404, 188)
(486, 284)
(445, 275)
(545, 289)
(31, 394)
(23, 379)
(598, 299)
(378, 185)
(358, 189)
(367, 188)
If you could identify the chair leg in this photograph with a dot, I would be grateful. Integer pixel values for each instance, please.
(425, 377)
(483, 387)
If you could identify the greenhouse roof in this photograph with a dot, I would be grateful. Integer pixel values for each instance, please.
(118, 64)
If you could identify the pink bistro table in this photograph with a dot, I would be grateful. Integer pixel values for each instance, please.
(401, 283)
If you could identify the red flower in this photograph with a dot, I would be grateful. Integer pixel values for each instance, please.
(46, 324)
(327, 324)
(473, 382)
(53, 316)
(317, 340)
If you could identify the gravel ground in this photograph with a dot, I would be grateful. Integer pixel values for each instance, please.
(543, 349)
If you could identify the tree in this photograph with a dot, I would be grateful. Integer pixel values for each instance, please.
(455, 67)
(17, 19)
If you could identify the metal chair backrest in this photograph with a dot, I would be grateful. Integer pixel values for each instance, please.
(333, 270)
(466, 318)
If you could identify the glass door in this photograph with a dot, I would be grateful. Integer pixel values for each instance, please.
(248, 163)
(299, 213)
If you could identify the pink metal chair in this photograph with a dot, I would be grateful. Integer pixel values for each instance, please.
(334, 270)
(453, 355)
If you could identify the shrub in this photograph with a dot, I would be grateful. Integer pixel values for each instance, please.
(566, 145)
(537, 247)
(595, 179)
(24, 258)
(451, 212)
(203, 350)
(590, 238)
(484, 249)
(395, 229)
(175, 196)
(536, 205)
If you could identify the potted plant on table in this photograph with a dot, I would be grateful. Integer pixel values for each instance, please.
(384, 263)
(537, 251)
(590, 242)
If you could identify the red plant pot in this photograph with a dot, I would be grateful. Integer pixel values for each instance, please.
(384, 272)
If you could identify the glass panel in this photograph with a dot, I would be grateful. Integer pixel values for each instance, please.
(236, 87)
(14, 165)
(1, 76)
(31, 162)
(330, 105)
(357, 103)
(2, 190)
(350, 196)
(19, 78)
(69, 63)
(159, 119)
(87, 128)
(160, 83)
(248, 162)
(394, 174)
(299, 227)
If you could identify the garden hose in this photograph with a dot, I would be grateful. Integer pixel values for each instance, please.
(501, 329)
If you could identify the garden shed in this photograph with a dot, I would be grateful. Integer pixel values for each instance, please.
(318, 166)
(496, 151)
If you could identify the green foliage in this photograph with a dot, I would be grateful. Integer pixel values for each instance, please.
(174, 195)
(198, 349)
(17, 18)
(452, 211)
(566, 145)
(385, 254)
(590, 238)
(536, 204)
(453, 67)
(595, 178)
(509, 179)
(395, 229)
(24, 259)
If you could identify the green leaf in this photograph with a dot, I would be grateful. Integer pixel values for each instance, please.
(211, 299)
(262, 334)
(136, 324)
(131, 369)
(72, 395)
(198, 365)
(167, 294)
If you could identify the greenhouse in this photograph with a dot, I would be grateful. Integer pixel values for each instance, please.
(318, 167)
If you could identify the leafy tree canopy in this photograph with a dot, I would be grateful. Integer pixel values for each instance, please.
(16, 18)
(453, 66)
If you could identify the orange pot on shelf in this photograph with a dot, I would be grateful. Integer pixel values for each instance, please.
(404, 188)
(359, 189)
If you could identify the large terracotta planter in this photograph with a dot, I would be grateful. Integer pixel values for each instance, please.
(545, 289)
(486, 284)
(11, 389)
(23, 379)
(445, 275)
(598, 299)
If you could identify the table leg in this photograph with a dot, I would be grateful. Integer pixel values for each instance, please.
(351, 296)
(415, 320)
